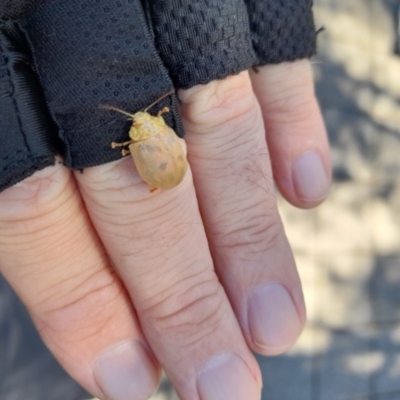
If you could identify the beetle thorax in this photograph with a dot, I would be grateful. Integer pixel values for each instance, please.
(145, 126)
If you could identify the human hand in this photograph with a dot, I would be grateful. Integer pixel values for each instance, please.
(188, 291)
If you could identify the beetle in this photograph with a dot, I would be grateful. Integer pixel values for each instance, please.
(155, 148)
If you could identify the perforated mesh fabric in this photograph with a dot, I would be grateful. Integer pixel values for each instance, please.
(124, 53)
(106, 57)
(201, 41)
(206, 40)
(281, 30)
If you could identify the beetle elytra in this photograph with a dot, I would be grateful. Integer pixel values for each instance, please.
(155, 148)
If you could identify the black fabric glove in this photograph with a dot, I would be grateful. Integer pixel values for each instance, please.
(61, 59)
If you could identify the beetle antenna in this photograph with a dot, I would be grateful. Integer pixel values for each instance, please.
(159, 99)
(106, 107)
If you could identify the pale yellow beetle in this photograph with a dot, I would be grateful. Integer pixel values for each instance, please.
(155, 148)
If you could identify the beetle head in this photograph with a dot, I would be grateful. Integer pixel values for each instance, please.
(140, 118)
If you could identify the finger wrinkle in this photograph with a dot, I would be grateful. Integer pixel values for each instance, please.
(97, 314)
(115, 207)
(72, 287)
(46, 226)
(64, 302)
(52, 276)
(86, 333)
(187, 310)
(119, 188)
(143, 236)
(139, 231)
(165, 264)
(161, 270)
(283, 88)
(168, 280)
(226, 145)
(251, 240)
(66, 231)
(81, 333)
(292, 110)
(246, 212)
(183, 276)
(165, 212)
(255, 231)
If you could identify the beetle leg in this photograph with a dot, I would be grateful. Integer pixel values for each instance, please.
(125, 152)
(163, 111)
(153, 189)
(114, 145)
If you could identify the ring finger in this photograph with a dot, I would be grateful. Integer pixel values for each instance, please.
(232, 173)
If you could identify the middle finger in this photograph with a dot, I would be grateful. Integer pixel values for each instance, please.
(158, 245)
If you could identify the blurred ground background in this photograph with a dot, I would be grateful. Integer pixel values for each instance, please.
(347, 250)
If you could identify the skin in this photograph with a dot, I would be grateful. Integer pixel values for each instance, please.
(172, 270)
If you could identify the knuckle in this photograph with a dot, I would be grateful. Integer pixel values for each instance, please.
(118, 182)
(286, 93)
(191, 309)
(36, 195)
(113, 177)
(219, 102)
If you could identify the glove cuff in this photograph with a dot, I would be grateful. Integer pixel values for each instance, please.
(27, 134)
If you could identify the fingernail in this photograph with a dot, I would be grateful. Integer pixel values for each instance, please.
(273, 319)
(126, 372)
(226, 376)
(310, 180)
